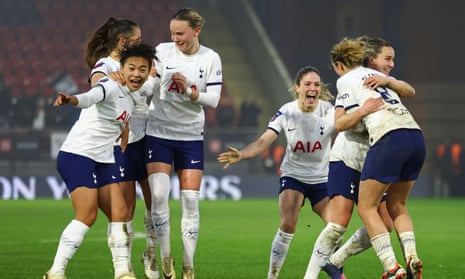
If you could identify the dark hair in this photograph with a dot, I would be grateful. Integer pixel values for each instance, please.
(376, 44)
(302, 71)
(103, 40)
(325, 93)
(194, 18)
(140, 50)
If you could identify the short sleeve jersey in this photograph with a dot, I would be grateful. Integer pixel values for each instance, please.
(308, 136)
(139, 116)
(173, 115)
(99, 125)
(352, 94)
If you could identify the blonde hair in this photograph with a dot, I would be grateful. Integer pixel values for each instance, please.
(193, 17)
(325, 94)
(351, 52)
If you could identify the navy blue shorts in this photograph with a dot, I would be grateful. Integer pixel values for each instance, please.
(398, 155)
(314, 192)
(343, 180)
(131, 163)
(79, 171)
(184, 154)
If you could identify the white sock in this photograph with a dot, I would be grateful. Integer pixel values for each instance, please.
(130, 228)
(408, 244)
(150, 238)
(383, 248)
(70, 240)
(324, 246)
(190, 224)
(358, 242)
(160, 188)
(279, 248)
(118, 242)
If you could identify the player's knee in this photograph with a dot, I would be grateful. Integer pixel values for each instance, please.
(342, 219)
(160, 188)
(288, 226)
(87, 218)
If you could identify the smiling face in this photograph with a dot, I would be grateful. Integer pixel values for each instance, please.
(308, 91)
(184, 36)
(384, 60)
(135, 71)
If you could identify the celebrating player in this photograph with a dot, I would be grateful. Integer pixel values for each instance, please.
(86, 160)
(308, 124)
(342, 194)
(347, 156)
(394, 159)
(190, 78)
(103, 57)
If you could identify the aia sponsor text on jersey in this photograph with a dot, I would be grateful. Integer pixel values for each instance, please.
(175, 87)
(124, 117)
(307, 147)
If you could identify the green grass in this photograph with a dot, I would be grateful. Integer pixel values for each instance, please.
(235, 239)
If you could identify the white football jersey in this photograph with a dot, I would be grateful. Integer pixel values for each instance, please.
(139, 116)
(352, 94)
(308, 136)
(173, 115)
(106, 65)
(108, 107)
(350, 148)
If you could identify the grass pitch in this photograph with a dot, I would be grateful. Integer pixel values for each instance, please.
(235, 240)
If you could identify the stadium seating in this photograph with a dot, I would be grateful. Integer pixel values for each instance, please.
(44, 37)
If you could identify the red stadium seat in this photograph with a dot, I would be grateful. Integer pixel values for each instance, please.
(35, 52)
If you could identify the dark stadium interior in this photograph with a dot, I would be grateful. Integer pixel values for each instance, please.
(43, 41)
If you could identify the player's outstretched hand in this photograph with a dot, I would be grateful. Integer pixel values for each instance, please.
(231, 157)
(62, 99)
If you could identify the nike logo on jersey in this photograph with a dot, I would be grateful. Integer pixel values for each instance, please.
(195, 162)
(291, 129)
(170, 68)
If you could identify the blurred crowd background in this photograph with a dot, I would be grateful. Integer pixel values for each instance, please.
(262, 44)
